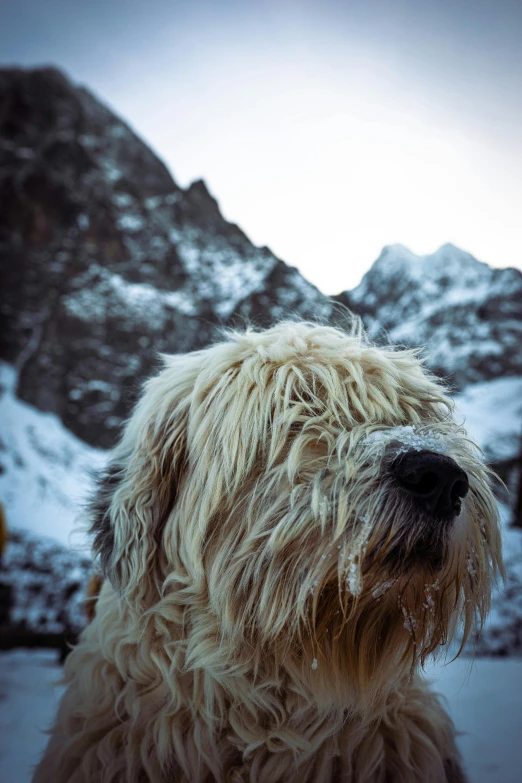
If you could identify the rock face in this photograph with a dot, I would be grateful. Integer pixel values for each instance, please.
(106, 261)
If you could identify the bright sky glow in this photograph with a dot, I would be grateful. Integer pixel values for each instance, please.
(325, 130)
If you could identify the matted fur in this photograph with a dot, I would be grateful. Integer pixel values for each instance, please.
(266, 612)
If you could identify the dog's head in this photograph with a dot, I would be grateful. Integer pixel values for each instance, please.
(300, 500)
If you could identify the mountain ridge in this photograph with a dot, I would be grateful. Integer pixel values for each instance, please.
(107, 261)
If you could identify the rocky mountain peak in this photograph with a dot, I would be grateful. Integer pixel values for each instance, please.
(106, 261)
(467, 313)
(199, 193)
(448, 259)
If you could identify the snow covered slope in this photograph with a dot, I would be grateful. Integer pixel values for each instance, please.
(45, 471)
(492, 413)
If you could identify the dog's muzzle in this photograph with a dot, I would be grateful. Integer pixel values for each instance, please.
(435, 482)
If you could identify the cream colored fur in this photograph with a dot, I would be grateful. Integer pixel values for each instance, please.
(264, 616)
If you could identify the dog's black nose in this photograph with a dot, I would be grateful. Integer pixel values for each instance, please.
(436, 482)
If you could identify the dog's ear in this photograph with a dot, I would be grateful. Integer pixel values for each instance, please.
(138, 490)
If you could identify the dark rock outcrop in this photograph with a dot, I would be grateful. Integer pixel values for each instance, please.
(106, 261)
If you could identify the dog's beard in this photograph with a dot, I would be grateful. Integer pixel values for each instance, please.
(355, 613)
(400, 596)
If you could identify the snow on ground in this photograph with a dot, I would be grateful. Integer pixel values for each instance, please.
(46, 472)
(28, 699)
(483, 699)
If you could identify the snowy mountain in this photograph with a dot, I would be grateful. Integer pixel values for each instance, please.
(468, 314)
(106, 261)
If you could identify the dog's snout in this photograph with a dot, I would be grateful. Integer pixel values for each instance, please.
(436, 481)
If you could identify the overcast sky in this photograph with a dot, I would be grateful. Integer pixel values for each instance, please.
(325, 128)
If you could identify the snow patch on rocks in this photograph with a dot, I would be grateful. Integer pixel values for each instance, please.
(46, 472)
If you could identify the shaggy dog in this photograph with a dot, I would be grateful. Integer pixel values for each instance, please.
(292, 523)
